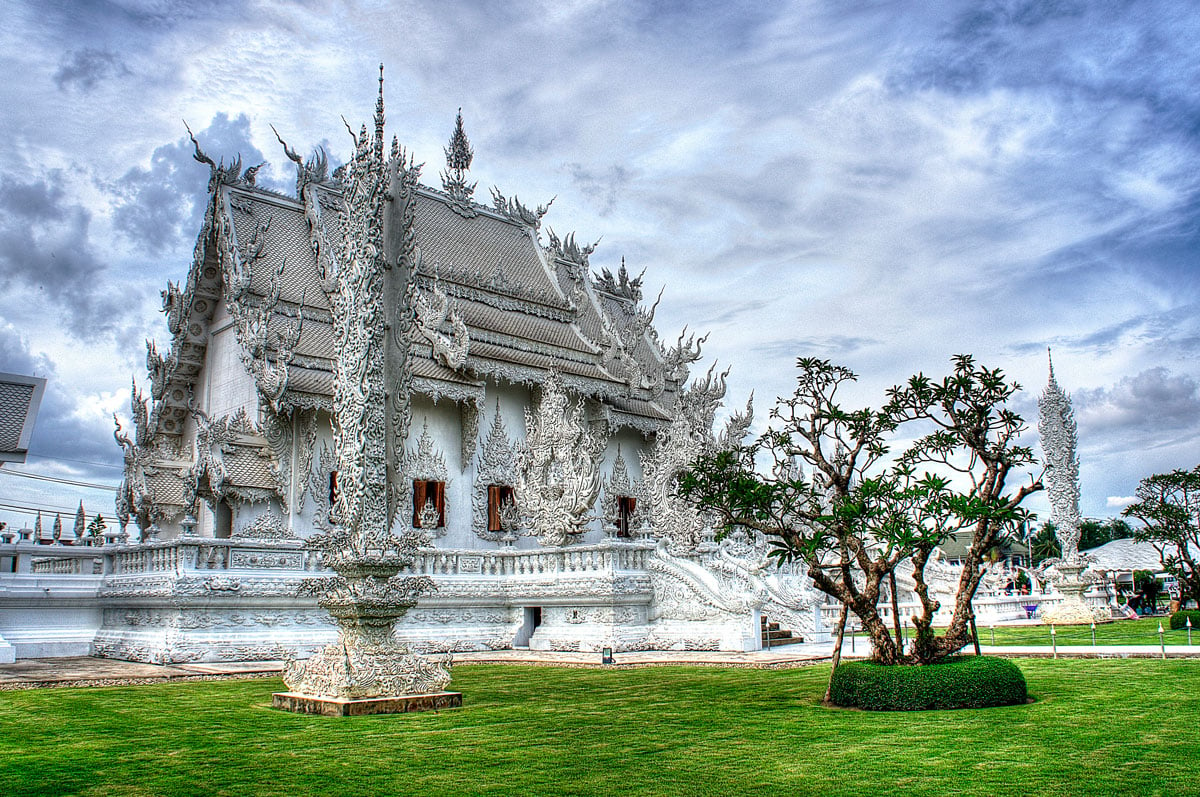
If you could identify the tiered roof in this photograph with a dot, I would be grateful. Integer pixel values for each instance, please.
(528, 307)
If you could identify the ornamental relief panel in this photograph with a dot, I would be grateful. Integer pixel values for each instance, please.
(616, 516)
(559, 476)
(497, 467)
(425, 463)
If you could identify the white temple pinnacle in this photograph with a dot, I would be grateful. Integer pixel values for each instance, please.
(1056, 425)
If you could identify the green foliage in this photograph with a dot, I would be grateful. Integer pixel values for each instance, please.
(1094, 533)
(1045, 544)
(1180, 619)
(97, 526)
(1145, 583)
(955, 682)
(1169, 507)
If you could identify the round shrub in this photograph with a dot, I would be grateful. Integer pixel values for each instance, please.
(956, 682)
(1179, 619)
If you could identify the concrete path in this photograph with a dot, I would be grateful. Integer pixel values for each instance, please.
(89, 671)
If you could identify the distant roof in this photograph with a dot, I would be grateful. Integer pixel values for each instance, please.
(959, 543)
(20, 397)
(1125, 554)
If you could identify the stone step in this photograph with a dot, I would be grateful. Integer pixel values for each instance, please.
(773, 634)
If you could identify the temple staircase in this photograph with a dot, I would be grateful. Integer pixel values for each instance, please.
(773, 635)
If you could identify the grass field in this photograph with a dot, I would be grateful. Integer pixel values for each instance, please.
(1143, 631)
(1097, 727)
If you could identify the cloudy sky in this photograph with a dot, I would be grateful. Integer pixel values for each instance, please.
(885, 186)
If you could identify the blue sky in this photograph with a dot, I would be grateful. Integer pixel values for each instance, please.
(885, 186)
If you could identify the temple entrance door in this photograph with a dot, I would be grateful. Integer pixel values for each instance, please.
(529, 624)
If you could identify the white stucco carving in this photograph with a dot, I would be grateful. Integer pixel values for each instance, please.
(559, 475)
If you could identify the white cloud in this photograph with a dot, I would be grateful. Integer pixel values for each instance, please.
(884, 189)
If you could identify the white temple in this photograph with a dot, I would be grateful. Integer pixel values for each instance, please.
(547, 422)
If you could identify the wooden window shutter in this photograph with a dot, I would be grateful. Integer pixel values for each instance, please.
(419, 498)
(493, 512)
(439, 501)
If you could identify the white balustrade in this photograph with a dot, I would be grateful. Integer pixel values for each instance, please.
(578, 560)
(207, 554)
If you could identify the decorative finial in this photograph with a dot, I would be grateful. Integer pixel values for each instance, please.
(379, 116)
(1051, 361)
(459, 155)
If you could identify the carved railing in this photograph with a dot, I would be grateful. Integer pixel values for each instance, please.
(207, 554)
(31, 557)
(60, 566)
(580, 559)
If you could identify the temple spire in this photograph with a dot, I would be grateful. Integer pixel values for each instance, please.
(1057, 428)
(459, 155)
(379, 117)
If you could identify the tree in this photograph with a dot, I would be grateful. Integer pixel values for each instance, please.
(863, 512)
(1045, 544)
(1148, 586)
(97, 527)
(1094, 533)
(1168, 506)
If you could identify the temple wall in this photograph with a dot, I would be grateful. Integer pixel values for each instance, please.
(225, 384)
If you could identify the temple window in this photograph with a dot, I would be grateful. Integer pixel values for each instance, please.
(429, 504)
(501, 502)
(625, 506)
(333, 490)
(222, 520)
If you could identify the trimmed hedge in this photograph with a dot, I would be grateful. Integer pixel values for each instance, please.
(1179, 619)
(956, 682)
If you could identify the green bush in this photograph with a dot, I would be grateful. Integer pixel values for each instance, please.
(1179, 619)
(957, 682)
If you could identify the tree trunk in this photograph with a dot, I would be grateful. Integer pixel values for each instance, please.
(896, 611)
(837, 651)
(883, 647)
(958, 634)
(920, 649)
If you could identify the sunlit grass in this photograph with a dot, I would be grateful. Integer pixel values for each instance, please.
(1143, 631)
(1098, 727)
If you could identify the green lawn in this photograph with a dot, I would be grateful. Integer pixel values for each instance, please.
(1143, 631)
(1097, 727)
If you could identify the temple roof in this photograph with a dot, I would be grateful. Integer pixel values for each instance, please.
(505, 286)
(20, 398)
(495, 302)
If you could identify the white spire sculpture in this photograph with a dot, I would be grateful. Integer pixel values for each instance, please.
(1056, 427)
(367, 671)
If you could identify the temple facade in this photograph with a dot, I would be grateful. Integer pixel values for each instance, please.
(542, 426)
